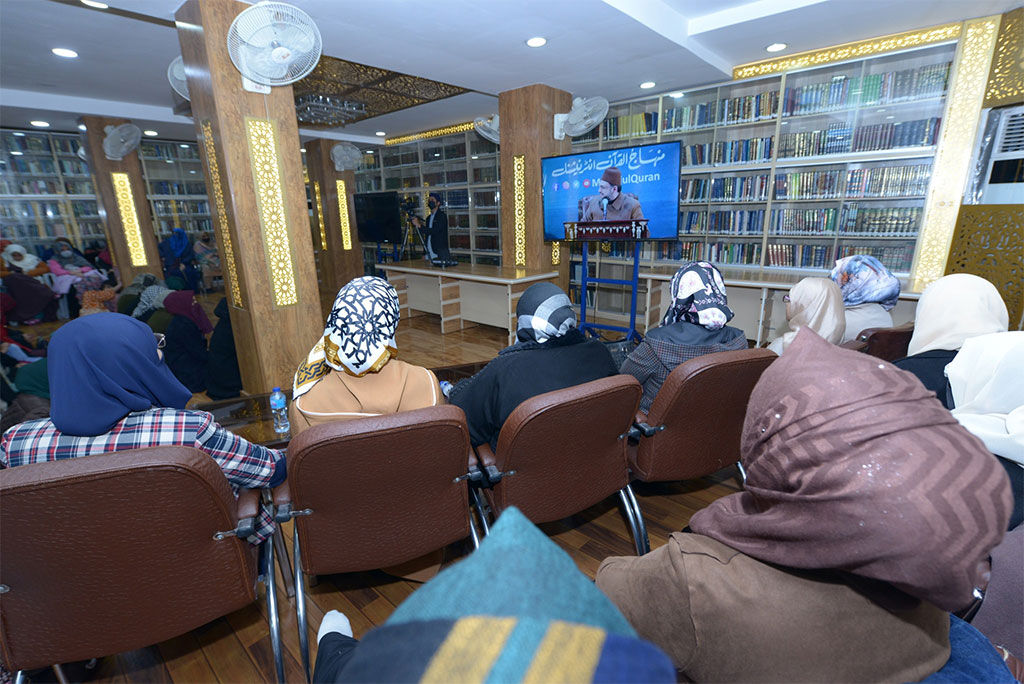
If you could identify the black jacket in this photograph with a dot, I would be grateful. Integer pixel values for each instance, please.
(930, 369)
(186, 354)
(223, 379)
(438, 234)
(525, 370)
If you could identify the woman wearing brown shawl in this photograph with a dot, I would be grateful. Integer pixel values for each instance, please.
(868, 513)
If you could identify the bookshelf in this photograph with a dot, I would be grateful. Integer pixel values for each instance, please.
(46, 190)
(176, 187)
(464, 169)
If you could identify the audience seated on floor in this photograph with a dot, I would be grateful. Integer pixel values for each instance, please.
(517, 609)
(986, 393)
(23, 280)
(129, 297)
(185, 351)
(178, 259)
(815, 303)
(550, 354)
(150, 309)
(353, 370)
(223, 378)
(33, 398)
(694, 325)
(870, 291)
(952, 309)
(869, 514)
(112, 391)
(71, 269)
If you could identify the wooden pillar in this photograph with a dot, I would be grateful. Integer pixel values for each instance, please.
(250, 144)
(338, 251)
(121, 194)
(527, 124)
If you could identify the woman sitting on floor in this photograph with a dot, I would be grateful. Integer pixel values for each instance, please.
(869, 514)
(129, 297)
(150, 309)
(550, 354)
(694, 325)
(870, 291)
(815, 303)
(112, 392)
(223, 377)
(34, 301)
(352, 371)
(951, 310)
(185, 352)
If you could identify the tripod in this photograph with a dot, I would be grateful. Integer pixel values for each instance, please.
(406, 239)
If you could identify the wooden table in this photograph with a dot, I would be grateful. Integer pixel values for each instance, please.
(480, 294)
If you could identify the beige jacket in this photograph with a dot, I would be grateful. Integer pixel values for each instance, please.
(398, 386)
(724, 616)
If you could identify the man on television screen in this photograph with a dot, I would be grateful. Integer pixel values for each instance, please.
(436, 231)
(610, 204)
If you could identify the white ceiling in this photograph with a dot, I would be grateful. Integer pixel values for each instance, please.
(595, 47)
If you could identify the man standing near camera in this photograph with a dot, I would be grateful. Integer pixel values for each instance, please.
(436, 232)
(610, 204)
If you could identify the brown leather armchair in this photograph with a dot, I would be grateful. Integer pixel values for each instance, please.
(561, 452)
(109, 553)
(888, 344)
(694, 426)
(374, 492)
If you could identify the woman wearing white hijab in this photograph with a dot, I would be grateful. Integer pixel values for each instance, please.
(816, 303)
(952, 310)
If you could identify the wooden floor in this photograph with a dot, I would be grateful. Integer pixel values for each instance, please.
(237, 648)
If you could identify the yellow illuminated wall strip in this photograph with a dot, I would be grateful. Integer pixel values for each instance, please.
(556, 253)
(857, 50)
(320, 215)
(956, 142)
(436, 133)
(266, 175)
(222, 215)
(519, 206)
(346, 228)
(129, 218)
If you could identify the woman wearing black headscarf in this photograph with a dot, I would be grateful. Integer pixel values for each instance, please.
(550, 354)
(223, 379)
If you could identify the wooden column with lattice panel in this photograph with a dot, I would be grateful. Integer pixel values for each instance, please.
(250, 145)
(121, 194)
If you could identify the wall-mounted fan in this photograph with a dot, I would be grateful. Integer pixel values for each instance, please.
(120, 140)
(176, 76)
(585, 115)
(345, 156)
(273, 44)
(82, 154)
(489, 129)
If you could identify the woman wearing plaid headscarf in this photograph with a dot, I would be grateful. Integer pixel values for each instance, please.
(549, 354)
(694, 325)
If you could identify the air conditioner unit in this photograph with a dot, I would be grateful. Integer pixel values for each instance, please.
(999, 167)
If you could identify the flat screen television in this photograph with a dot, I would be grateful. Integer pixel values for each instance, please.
(649, 173)
(378, 218)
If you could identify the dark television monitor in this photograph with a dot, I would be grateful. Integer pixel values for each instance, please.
(649, 173)
(378, 218)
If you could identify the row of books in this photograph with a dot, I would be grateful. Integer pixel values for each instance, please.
(833, 140)
(843, 92)
(808, 184)
(739, 151)
(803, 256)
(171, 207)
(680, 250)
(47, 210)
(840, 138)
(884, 222)
(898, 258)
(10, 186)
(888, 181)
(725, 111)
(176, 188)
(167, 150)
(803, 221)
(740, 222)
(190, 225)
(630, 125)
(37, 165)
(748, 253)
(27, 143)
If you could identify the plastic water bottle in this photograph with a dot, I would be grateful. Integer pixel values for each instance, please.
(279, 407)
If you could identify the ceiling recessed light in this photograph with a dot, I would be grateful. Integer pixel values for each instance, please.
(647, 85)
(97, 5)
(40, 124)
(19, 134)
(537, 42)
(890, 117)
(81, 127)
(381, 133)
(776, 47)
(192, 171)
(474, 157)
(437, 154)
(16, 153)
(302, 149)
(676, 94)
(169, 161)
(151, 133)
(64, 52)
(183, 146)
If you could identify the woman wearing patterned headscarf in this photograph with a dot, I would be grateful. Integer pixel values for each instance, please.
(694, 325)
(870, 291)
(868, 514)
(815, 303)
(549, 354)
(352, 371)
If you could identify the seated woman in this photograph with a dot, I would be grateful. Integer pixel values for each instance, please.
(550, 354)
(353, 370)
(185, 352)
(73, 274)
(179, 259)
(112, 392)
(150, 309)
(814, 303)
(951, 310)
(694, 325)
(33, 398)
(129, 298)
(870, 291)
(223, 378)
(869, 514)
(34, 301)
(207, 258)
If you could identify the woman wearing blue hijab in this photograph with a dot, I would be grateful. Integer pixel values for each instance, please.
(179, 259)
(111, 391)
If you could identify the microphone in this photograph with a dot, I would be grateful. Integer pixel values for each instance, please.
(604, 207)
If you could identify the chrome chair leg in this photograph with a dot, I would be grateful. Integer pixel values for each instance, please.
(743, 474)
(272, 616)
(58, 672)
(641, 525)
(19, 677)
(481, 508)
(282, 559)
(300, 602)
(627, 510)
(474, 536)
